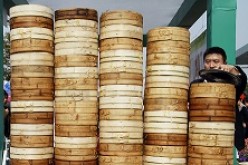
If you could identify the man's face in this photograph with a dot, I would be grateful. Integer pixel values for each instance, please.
(212, 61)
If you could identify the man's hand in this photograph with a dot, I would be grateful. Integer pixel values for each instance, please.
(229, 68)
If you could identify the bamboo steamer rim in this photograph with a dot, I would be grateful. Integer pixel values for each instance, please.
(31, 103)
(75, 140)
(161, 32)
(34, 32)
(167, 79)
(30, 157)
(77, 29)
(122, 123)
(165, 149)
(36, 127)
(121, 34)
(61, 145)
(121, 21)
(212, 125)
(32, 109)
(77, 34)
(121, 27)
(86, 70)
(76, 158)
(121, 99)
(166, 125)
(166, 131)
(75, 39)
(76, 51)
(75, 93)
(121, 140)
(211, 150)
(164, 113)
(213, 138)
(168, 67)
(117, 129)
(31, 151)
(31, 10)
(120, 159)
(66, 45)
(213, 84)
(118, 59)
(32, 56)
(175, 120)
(108, 88)
(76, 23)
(75, 151)
(131, 135)
(121, 14)
(211, 131)
(163, 160)
(121, 53)
(76, 13)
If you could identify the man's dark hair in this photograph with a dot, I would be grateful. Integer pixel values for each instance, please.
(217, 50)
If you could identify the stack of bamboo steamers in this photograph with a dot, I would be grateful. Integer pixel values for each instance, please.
(166, 96)
(76, 104)
(121, 83)
(211, 126)
(32, 84)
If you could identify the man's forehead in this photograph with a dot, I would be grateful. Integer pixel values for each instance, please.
(214, 56)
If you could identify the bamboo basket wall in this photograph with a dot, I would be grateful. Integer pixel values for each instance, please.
(121, 84)
(211, 126)
(32, 86)
(166, 95)
(76, 78)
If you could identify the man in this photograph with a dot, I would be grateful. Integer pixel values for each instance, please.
(215, 58)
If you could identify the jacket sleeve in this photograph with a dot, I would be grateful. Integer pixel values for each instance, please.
(242, 85)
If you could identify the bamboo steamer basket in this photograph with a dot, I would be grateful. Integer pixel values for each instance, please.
(74, 102)
(129, 135)
(162, 105)
(212, 128)
(76, 119)
(31, 153)
(166, 151)
(211, 140)
(121, 53)
(30, 45)
(121, 90)
(64, 162)
(86, 94)
(121, 78)
(121, 117)
(163, 160)
(76, 51)
(121, 15)
(31, 106)
(32, 118)
(75, 131)
(31, 21)
(75, 151)
(117, 129)
(31, 161)
(75, 39)
(121, 140)
(76, 23)
(214, 151)
(202, 161)
(32, 94)
(32, 59)
(76, 110)
(32, 83)
(121, 21)
(75, 72)
(166, 113)
(168, 58)
(111, 160)
(121, 30)
(75, 60)
(31, 10)
(165, 120)
(160, 46)
(167, 70)
(126, 102)
(67, 45)
(138, 124)
(76, 83)
(212, 90)
(75, 142)
(34, 32)
(168, 33)
(32, 71)
(72, 32)
(159, 139)
(120, 44)
(31, 129)
(167, 81)
(76, 13)
(120, 149)
(120, 112)
(25, 141)
(175, 93)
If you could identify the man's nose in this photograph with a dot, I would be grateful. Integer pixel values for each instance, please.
(212, 65)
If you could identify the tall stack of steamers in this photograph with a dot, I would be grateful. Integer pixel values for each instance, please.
(121, 84)
(99, 110)
(32, 86)
(76, 104)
